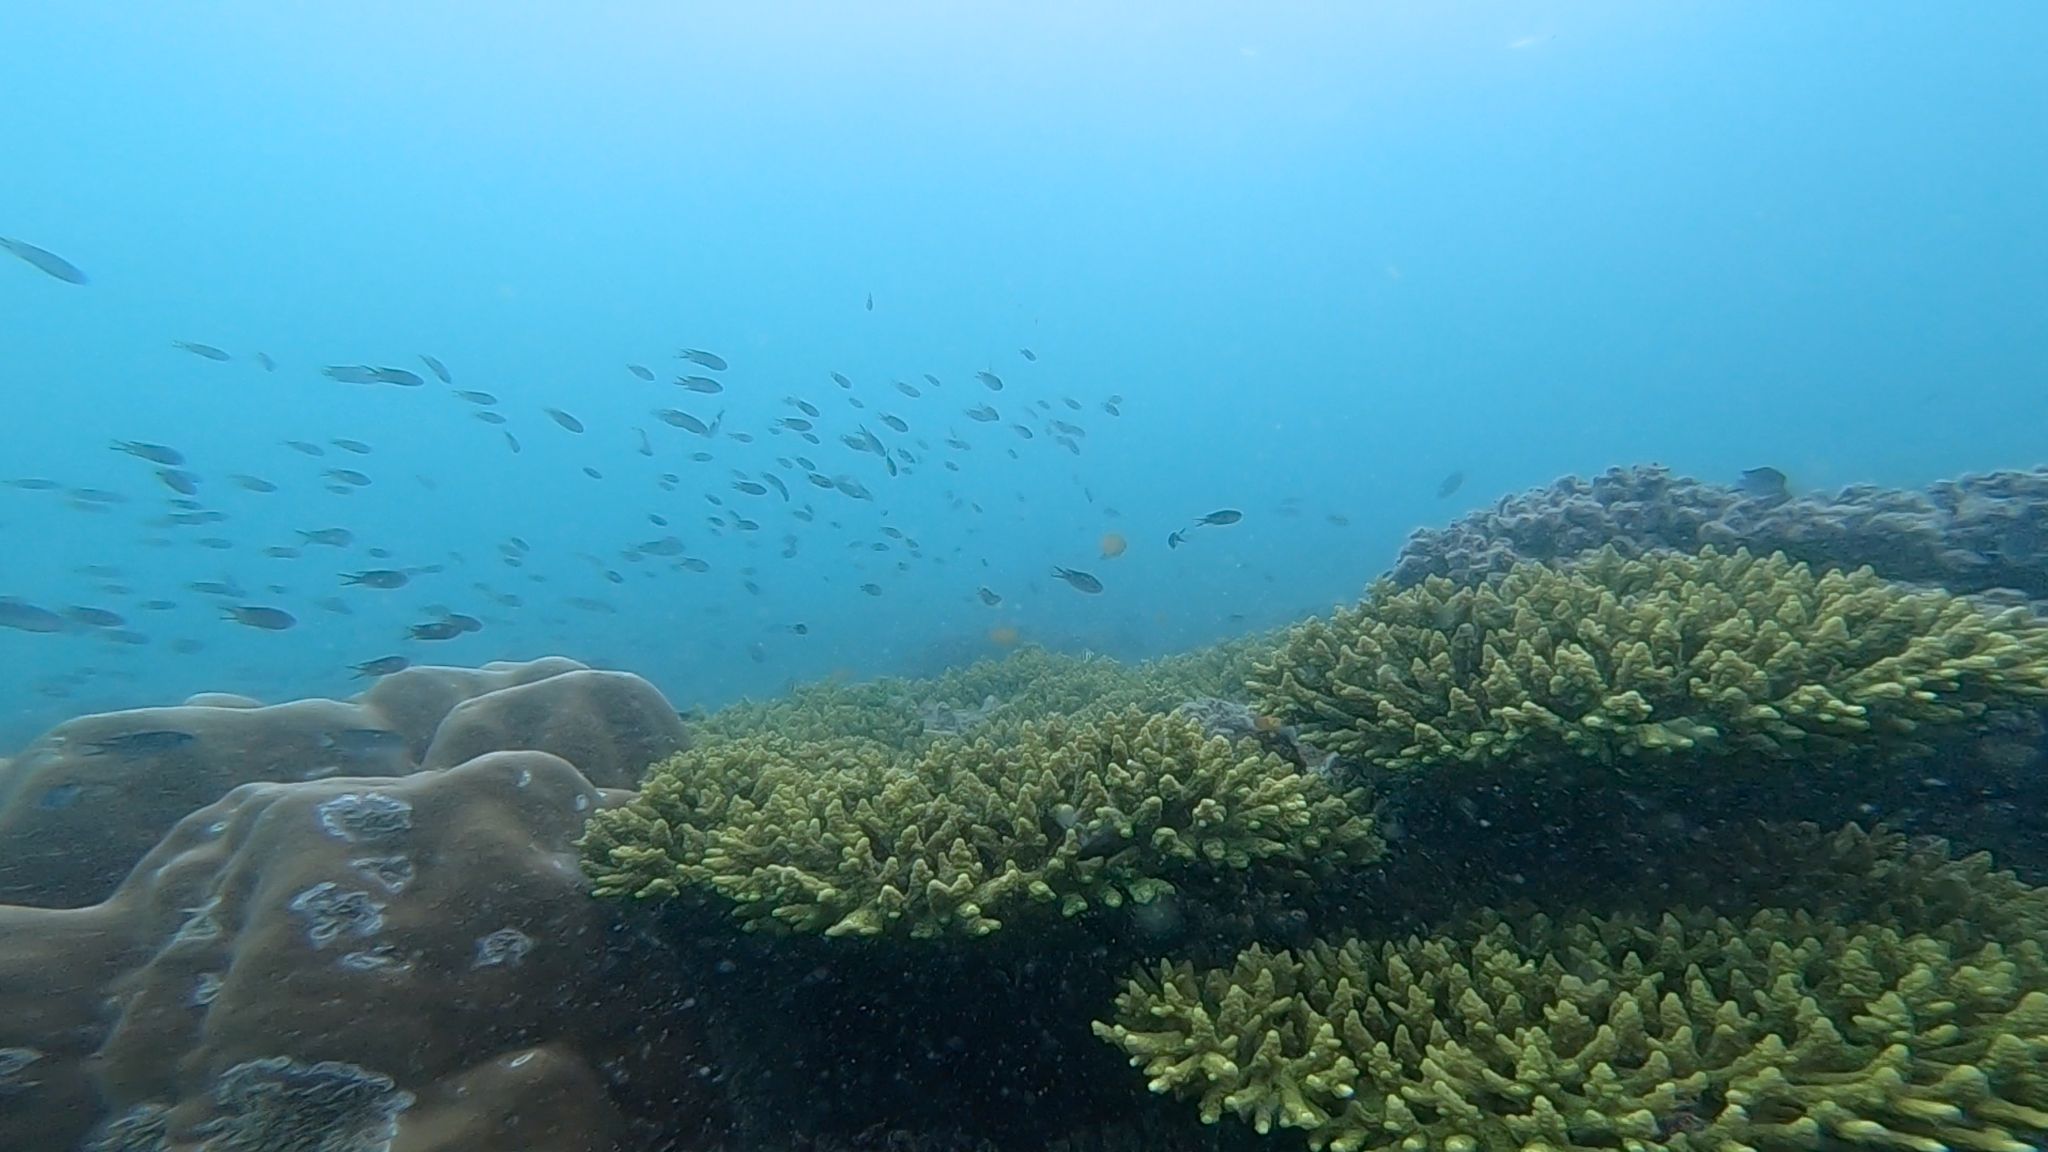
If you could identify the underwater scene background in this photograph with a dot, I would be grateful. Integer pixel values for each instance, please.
(910, 577)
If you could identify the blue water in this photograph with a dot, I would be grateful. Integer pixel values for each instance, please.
(1327, 254)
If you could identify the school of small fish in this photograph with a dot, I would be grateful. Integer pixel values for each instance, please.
(830, 469)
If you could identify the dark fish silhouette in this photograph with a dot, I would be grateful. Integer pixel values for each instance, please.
(439, 369)
(1028, 354)
(377, 578)
(355, 446)
(474, 397)
(398, 376)
(266, 619)
(178, 480)
(564, 419)
(1176, 539)
(332, 537)
(993, 382)
(703, 384)
(436, 630)
(1766, 484)
(683, 420)
(362, 743)
(641, 370)
(252, 483)
(1222, 516)
(709, 360)
(95, 617)
(1081, 581)
(988, 596)
(1450, 485)
(203, 351)
(48, 262)
(269, 365)
(382, 666)
(23, 616)
(154, 453)
(871, 300)
(153, 742)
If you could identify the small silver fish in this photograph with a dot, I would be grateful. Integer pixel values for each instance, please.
(48, 262)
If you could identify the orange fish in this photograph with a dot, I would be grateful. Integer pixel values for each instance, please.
(1113, 545)
(1003, 636)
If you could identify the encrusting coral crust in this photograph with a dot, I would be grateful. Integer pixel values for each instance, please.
(845, 838)
(1668, 655)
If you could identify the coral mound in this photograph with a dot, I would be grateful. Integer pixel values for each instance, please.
(242, 959)
(846, 838)
(84, 802)
(1687, 1033)
(1971, 534)
(1612, 658)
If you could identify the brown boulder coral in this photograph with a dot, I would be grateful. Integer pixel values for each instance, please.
(82, 804)
(408, 962)
(611, 725)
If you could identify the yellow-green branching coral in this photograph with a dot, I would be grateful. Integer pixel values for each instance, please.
(1616, 659)
(653, 846)
(1028, 684)
(1687, 1034)
(1055, 819)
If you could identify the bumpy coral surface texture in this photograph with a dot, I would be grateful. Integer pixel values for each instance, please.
(1614, 659)
(847, 839)
(1690, 1033)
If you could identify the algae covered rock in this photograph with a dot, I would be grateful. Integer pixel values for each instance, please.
(851, 838)
(1613, 659)
(1689, 1032)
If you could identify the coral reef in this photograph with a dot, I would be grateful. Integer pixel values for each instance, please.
(1967, 535)
(847, 839)
(991, 695)
(83, 803)
(341, 964)
(1610, 659)
(611, 725)
(1480, 865)
(1689, 1032)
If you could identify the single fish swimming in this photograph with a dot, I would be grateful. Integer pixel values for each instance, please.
(45, 261)
(1080, 581)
